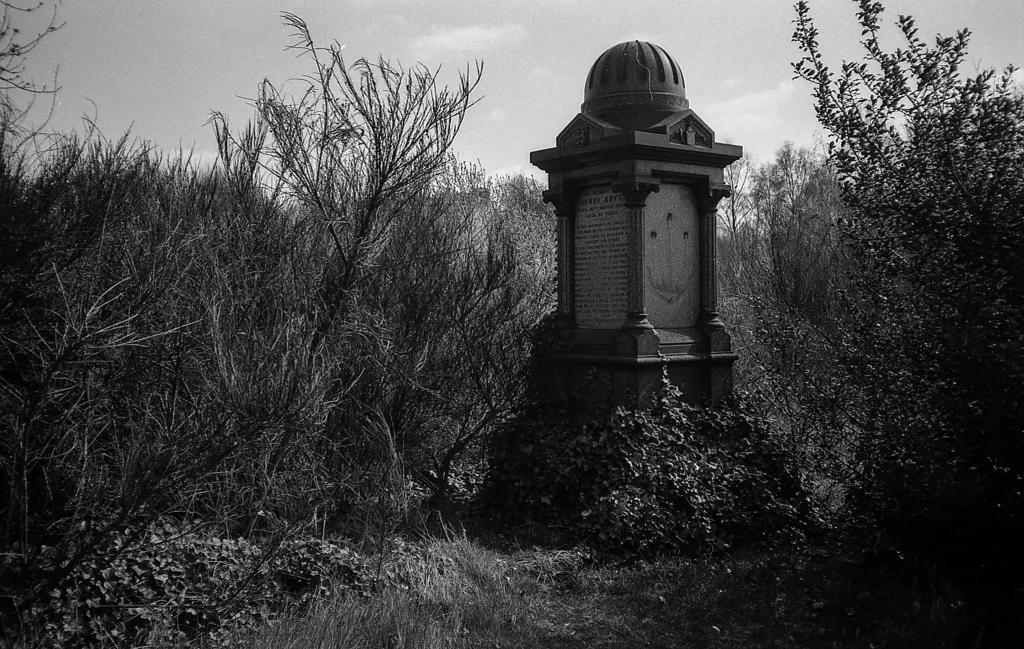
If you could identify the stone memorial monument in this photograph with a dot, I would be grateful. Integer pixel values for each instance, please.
(635, 179)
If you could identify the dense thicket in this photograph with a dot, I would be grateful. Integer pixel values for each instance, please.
(199, 364)
(931, 164)
(785, 272)
(202, 369)
(884, 330)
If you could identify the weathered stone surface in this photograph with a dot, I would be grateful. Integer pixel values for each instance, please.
(672, 263)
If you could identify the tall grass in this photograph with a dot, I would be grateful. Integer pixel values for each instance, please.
(448, 593)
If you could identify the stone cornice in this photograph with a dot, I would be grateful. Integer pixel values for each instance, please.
(636, 145)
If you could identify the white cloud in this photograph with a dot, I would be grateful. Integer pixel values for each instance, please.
(470, 38)
(521, 170)
(498, 115)
(761, 120)
(646, 37)
(754, 111)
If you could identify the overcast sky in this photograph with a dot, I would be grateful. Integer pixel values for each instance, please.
(158, 67)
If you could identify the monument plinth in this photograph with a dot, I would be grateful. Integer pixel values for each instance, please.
(635, 179)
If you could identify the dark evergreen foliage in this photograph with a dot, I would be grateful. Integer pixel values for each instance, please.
(633, 484)
(931, 165)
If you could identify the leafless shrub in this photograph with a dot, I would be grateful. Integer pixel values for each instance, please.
(785, 271)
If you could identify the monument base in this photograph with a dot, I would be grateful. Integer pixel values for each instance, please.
(594, 369)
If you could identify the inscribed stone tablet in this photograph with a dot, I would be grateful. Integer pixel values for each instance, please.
(600, 268)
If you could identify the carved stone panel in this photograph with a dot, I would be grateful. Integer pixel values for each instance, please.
(582, 132)
(672, 263)
(692, 132)
(600, 259)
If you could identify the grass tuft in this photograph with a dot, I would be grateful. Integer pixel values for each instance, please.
(444, 593)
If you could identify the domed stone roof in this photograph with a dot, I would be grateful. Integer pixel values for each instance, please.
(634, 85)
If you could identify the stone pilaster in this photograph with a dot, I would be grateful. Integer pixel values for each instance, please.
(721, 357)
(709, 319)
(565, 210)
(635, 194)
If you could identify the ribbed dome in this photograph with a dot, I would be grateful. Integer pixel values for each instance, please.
(634, 85)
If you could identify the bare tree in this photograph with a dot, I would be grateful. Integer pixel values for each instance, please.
(354, 154)
(785, 273)
(21, 31)
(735, 209)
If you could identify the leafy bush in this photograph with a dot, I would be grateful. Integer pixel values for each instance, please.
(671, 479)
(930, 162)
(167, 582)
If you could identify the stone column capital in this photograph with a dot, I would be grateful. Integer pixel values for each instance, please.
(563, 200)
(709, 202)
(636, 193)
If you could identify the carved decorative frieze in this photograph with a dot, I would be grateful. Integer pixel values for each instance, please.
(581, 135)
(662, 101)
(583, 131)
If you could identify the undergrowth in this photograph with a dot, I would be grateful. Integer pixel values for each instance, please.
(167, 583)
(673, 479)
(441, 593)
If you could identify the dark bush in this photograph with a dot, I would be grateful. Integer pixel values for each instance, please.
(636, 483)
(930, 162)
(168, 582)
